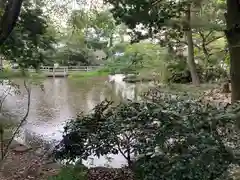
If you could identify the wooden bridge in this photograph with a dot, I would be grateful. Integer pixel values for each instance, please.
(63, 71)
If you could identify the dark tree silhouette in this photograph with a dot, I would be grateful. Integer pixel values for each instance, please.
(9, 18)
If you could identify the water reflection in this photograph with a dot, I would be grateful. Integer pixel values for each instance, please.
(62, 100)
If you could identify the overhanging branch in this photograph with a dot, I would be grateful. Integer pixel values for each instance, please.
(9, 18)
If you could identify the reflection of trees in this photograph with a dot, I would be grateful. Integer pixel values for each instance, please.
(86, 94)
(42, 103)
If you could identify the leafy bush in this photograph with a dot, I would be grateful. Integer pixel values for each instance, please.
(213, 74)
(166, 138)
(119, 129)
(71, 173)
(179, 72)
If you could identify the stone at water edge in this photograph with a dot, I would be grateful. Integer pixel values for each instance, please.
(13, 144)
(40, 152)
(21, 148)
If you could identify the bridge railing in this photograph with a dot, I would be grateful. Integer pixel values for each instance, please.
(63, 68)
(69, 68)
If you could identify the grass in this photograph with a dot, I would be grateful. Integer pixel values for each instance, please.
(89, 74)
(71, 173)
(9, 74)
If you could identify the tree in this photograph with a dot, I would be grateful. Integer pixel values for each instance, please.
(9, 18)
(29, 40)
(233, 37)
(155, 16)
(209, 31)
(98, 27)
(189, 37)
(137, 58)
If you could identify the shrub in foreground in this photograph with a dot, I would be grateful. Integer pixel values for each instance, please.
(168, 138)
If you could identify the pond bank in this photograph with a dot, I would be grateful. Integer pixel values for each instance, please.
(24, 163)
(89, 74)
(9, 74)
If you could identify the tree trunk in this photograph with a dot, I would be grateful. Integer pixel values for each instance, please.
(111, 40)
(9, 18)
(190, 59)
(233, 37)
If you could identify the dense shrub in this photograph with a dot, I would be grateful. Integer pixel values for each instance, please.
(166, 138)
(213, 74)
(178, 72)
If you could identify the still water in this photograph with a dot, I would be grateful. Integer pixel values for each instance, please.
(61, 100)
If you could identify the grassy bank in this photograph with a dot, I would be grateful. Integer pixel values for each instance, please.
(89, 74)
(8, 74)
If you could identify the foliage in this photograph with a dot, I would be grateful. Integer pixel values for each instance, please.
(167, 26)
(74, 56)
(178, 72)
(136, 58)
(171, 137)
(29, 40)
(192, 145)
(106, 131)
(88, 31)
(9, 12)
(214, 74)
(96, 26)
(71, 173)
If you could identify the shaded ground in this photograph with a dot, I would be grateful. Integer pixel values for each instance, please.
(207, 92)
(23, 163)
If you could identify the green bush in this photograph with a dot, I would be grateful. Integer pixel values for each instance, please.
(167, 138)
(213, 74)
(71, 173)
(179, 72)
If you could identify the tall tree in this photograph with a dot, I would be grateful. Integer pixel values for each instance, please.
(233, 37)
(156, 16)
(189, 38)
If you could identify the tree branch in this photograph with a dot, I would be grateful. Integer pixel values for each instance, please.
(214, 39)
(21, 122)
(9, 19)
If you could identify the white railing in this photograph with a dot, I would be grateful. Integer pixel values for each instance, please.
(66, 68)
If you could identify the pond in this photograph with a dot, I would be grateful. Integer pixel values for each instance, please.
(61, 100)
